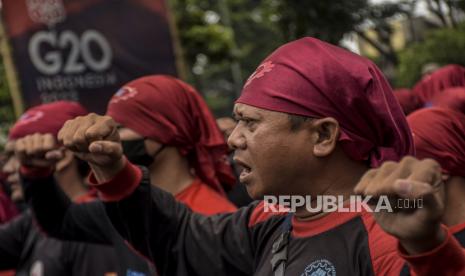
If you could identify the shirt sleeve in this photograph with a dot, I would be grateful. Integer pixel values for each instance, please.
(57, 216)
(388, 258)
(12, 238)
(446, 259)
(177, 240)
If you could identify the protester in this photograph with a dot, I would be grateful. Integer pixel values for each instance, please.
(47, 119)
(439, 134)
(452, 98)
(167, 126)
(431, 85)
(429, 68)
(238, 195)
(407, 100)
(429, 126)
(10, 169)
(7, 208)
(226, 125)
(22, 244)
(313, 119)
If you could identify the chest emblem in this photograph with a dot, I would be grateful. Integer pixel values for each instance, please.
(320, 267)
(37, 269)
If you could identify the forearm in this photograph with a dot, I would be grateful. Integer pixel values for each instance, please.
(169, 234)
(13, 237)
(48, 202)
(58, 216)
(147, 219)
(447, 258)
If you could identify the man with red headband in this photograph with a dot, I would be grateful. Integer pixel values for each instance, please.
(7, 208)
(22, 245)
(313, 119)
(47, 119)
(407, 100)
(431, 85)
(166, 126)
(439, 134)
(451, 98)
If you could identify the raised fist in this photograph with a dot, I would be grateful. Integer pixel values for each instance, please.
(420, 183)
(94, 139)
(38, 150)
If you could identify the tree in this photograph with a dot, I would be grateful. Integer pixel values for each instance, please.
(218, 34)
(377, 17)
(443, 46)
(446, 10)
(7, 116)
(329, 21)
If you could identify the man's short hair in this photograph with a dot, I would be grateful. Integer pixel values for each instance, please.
(297, 121)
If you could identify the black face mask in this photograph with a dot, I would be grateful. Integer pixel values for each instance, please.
(137, 154)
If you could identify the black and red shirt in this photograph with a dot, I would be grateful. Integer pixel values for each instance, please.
(181, 242)
(28, 251)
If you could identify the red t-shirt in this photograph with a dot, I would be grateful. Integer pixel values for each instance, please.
(204, 200)
(7, 208)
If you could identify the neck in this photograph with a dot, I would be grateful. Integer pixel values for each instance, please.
(339, 180)
(171, 171)
(455, 205)
(70, 182)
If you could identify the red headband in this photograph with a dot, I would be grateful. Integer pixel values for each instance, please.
(173, 113)
(439, 134)
(46, 118)
(312, 78)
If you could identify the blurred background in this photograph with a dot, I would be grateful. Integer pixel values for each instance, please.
(213, 44)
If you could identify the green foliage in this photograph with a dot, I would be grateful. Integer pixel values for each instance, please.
(7, 116)
(442, 46)
(216, 33)
(328, 21)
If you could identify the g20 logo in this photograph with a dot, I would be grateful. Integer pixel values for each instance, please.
(80, 55)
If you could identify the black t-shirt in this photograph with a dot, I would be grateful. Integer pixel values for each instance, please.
(181, 242)
(26, 249)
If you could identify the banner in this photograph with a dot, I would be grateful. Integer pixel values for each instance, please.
(84, 50)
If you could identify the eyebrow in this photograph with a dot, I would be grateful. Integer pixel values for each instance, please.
(239, 115)
(236, 115)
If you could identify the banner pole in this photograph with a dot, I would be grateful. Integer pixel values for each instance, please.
(181, 66)
(11, 73)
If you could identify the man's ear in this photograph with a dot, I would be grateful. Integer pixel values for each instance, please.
(326, 132)
(65, 162)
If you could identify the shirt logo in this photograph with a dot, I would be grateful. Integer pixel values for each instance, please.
(37, 269)
(29, 117)
(321, 267)
(124, 94)
(428, 104)
(260, 72)
(134, 273)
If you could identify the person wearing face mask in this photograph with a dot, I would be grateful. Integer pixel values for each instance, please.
(23, 246)
(167, 127)
(295, 106)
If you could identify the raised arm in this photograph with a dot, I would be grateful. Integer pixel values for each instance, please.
(12, 239)
(54, 211)
(428, 247)
(178, 241)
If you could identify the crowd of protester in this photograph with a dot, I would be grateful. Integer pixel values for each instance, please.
(157, 186)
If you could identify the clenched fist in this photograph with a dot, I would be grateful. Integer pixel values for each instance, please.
(95, 139)
(418, 228)
(38, 151)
